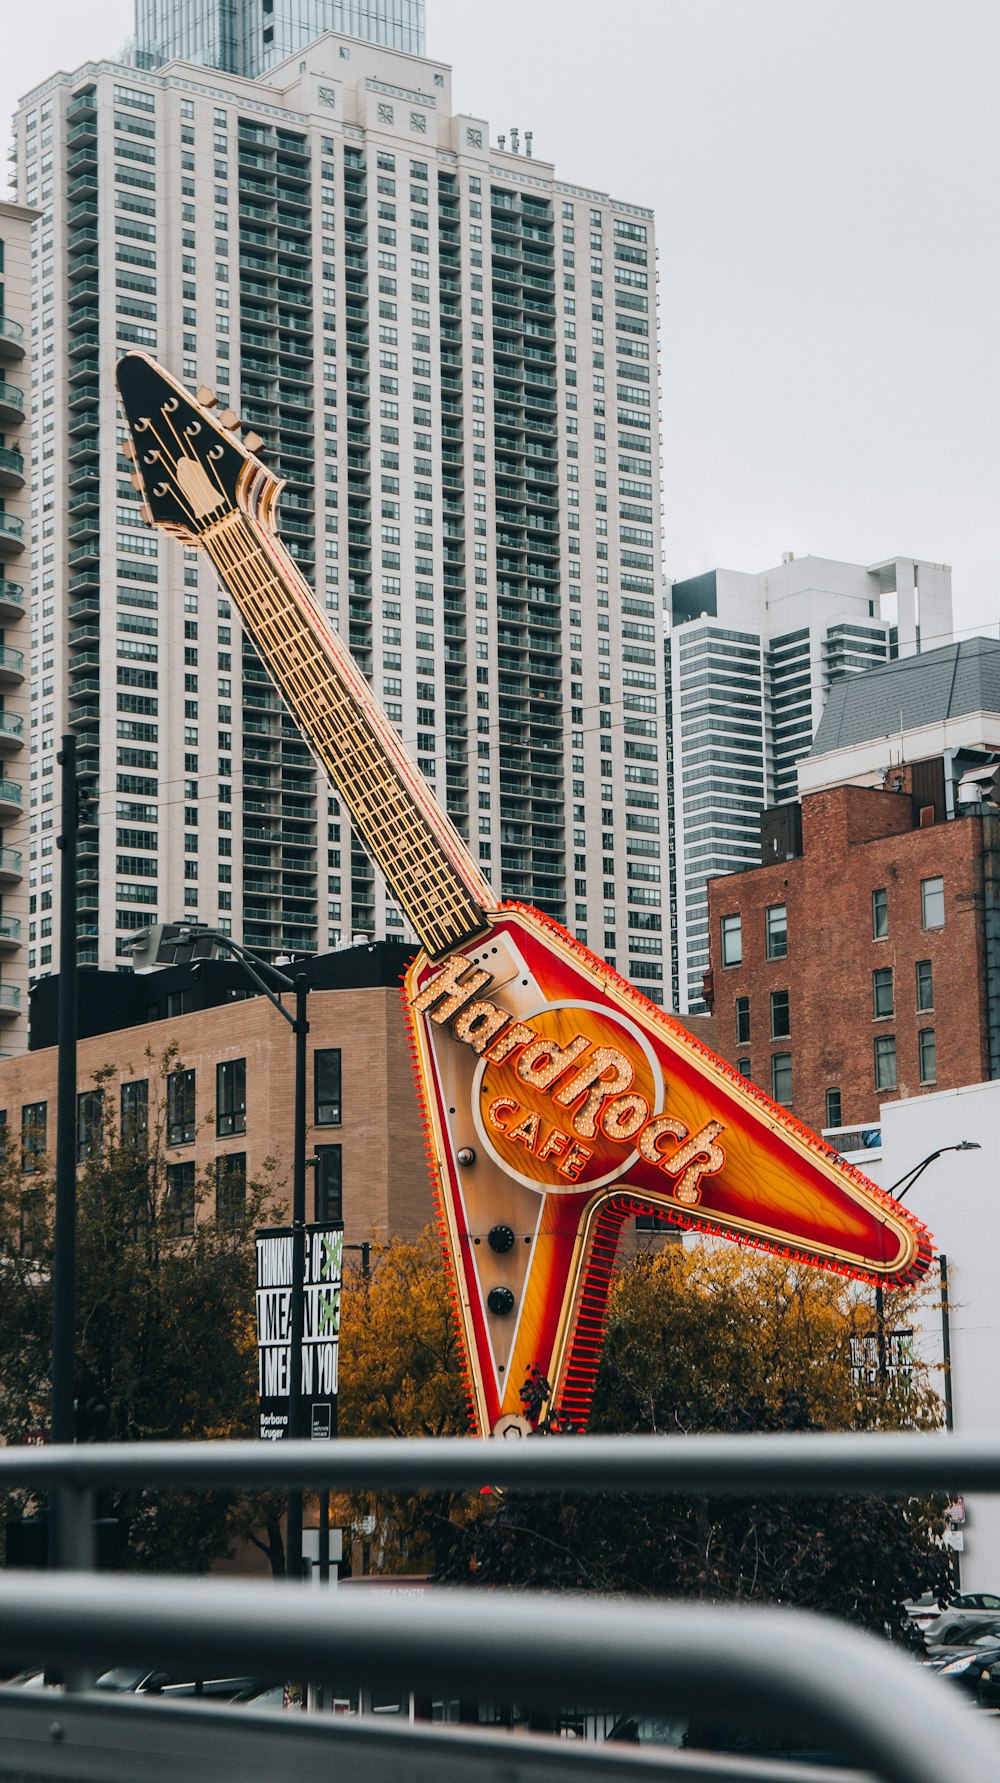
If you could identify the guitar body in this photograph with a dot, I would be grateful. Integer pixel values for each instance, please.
(561, 1102)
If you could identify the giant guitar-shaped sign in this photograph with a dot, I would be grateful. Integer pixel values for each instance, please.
(559, 1100)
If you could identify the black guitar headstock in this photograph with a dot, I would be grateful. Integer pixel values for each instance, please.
(190, 468)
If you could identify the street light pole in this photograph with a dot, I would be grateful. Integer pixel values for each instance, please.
(162, 944)
(904, 1185)
(300, 1028)
(64, 1253)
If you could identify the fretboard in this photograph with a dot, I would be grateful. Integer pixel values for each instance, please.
(425, 862)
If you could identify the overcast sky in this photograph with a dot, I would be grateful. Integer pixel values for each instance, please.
(825, 179)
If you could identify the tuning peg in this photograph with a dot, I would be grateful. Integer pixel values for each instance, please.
(128, 450)
(135, 480)
(252, 442)
(147, 513)
(206, 397)
(229, 418)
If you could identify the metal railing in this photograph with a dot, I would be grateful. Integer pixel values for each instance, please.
(906, 1726)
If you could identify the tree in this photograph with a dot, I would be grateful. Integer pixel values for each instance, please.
(165, 1343)
(400, 1375)
(713, 1337)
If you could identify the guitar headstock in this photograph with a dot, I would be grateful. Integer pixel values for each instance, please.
(190, 467)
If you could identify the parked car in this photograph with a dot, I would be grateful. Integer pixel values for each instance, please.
(967, 1666)
(988, 1682)
(959, 1628)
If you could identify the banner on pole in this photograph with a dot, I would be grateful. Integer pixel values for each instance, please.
(321, 1329)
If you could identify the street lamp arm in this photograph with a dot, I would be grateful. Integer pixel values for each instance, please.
(909, 1177)
(250, 964)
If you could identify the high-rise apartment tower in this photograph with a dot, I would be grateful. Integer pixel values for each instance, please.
(451, 356)
(750, 661)
(15, 522)
(250, 36)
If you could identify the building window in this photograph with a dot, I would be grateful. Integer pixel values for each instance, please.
(230, 1189)
(928, 1056)
(743, 1021)
(743, 1067)
(932, 903)
(776, 924)
(781, 1078)
(135, 1110)
(732, 941)
(34, 1231)
(180, 1108)
(882, 998)
(925, 985)
(834, 1117)
(329, 1182)
(326, 1068)
(178, 1205)
(781, 1015)
(89, 1118)
(880, 914)
(33, 1135)
(230, 1097)
(885, 1062)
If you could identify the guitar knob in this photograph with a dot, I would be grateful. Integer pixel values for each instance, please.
(229, 418)
(146, 513)
(252, 442)
(206, 397)
(135, 480)
(127, 449)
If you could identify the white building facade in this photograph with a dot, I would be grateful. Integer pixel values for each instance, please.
(15, 558)
(750, 660)
(956, 1198)
(452, 357)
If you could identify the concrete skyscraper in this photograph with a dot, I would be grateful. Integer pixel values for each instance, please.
(750, 661)
(15, 520)
(250, 36)
(452, 356)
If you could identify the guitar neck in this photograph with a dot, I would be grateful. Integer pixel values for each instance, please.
(425, 862)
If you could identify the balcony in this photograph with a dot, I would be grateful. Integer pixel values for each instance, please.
(11, 600)
(11, 403)
(11, 730)
(10, 865)
(11, 339)
(10, 1000)
(11, 799)
(10, 933)
(11, 669)
(11, 468)
(11, 534)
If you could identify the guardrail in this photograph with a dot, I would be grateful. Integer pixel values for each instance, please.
(907, 1726)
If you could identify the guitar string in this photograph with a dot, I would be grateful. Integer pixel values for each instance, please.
(410, 851)
(311, 695)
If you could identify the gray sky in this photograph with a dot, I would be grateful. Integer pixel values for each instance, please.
(825, 177)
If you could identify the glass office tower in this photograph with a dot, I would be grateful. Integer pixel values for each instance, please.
(249, 36)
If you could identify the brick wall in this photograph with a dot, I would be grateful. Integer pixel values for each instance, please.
(857, 840)
(385, 1177)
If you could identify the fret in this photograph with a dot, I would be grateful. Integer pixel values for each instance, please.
(422, 857)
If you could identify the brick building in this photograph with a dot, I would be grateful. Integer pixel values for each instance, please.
(230, 1101)
(853, 970)
(861, 965)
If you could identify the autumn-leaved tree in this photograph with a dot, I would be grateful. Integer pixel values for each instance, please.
(715, 1338)
(165, 1342)
(400, 1375)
